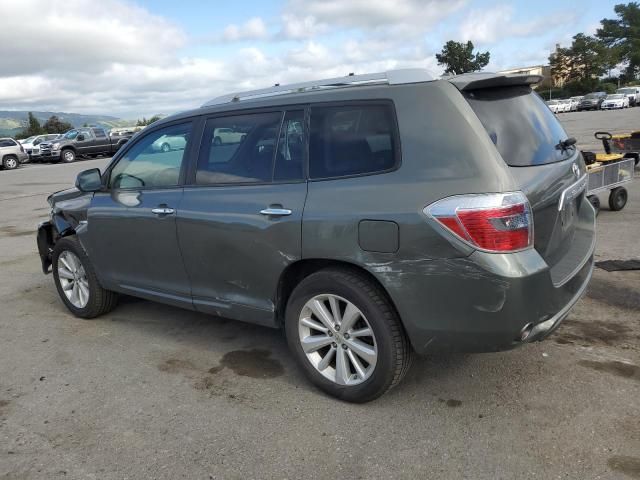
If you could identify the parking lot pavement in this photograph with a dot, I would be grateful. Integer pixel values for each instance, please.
(150, 391)
(582, 125)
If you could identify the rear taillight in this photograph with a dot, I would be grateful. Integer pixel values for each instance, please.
(493, 222)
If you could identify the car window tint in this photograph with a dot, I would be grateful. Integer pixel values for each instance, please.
(351, 140)
(146, 164)
(239, 149)
(523, 129)
(99, 133)
(290, 154)
(7, 143)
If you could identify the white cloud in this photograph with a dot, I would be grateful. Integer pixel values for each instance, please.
(112, 57)
(252, 29)
(488, 26)
(368, 14)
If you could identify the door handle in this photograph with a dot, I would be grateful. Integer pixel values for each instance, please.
(163, 211)
(276, 212)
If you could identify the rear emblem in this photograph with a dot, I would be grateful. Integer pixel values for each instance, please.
(576, 170)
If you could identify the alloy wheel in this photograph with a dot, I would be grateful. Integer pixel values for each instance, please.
(73, 279)
(11, 163)
(337, 339)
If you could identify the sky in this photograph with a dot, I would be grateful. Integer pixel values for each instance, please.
(134, 58)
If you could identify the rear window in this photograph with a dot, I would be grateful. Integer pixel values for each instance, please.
(352, 140)
(520, 125)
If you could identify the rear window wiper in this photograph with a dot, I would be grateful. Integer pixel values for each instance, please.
(566, 144)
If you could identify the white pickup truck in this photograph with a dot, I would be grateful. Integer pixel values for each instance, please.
(633, 93)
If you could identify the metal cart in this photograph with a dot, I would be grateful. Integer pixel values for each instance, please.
(610, 174)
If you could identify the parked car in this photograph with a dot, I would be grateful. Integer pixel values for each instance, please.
(565, 105)
(12, 154)
(368, 216)
(228, 135)
(633, 93)
(166, 143)
(592, 101)
(617, 100)
(32, 146)
(573, 104)
(554, 106)
(91, 141)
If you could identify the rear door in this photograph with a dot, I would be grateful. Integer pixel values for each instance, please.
(552, 175)
(240, 222)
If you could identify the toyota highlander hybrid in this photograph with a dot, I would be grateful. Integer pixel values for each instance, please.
(369, 217)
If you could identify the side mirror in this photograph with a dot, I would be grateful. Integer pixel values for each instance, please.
(89, 180)
(80, 138)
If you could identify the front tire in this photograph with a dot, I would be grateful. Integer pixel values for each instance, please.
(76, 281)
(68, 156)
(165, 147)
(346, 335)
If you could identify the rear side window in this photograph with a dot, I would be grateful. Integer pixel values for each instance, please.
(352, 140)
(99, 133)
(520, 125)
(239, 149)
(7, 143)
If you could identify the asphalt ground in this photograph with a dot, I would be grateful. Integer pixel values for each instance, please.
(151, 391)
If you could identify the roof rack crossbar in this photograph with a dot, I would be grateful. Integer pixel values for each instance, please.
(392, 77)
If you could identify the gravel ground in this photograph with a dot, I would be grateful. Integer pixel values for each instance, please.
(150, 391)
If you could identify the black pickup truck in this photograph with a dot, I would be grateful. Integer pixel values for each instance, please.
(85, 142)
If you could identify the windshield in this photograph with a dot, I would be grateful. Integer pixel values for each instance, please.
(28, 140)
(627, 90)
(71, 134)
(523, 129)
(614, 97)
(591, 95)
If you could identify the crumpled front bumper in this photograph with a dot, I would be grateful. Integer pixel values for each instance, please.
(45, 244)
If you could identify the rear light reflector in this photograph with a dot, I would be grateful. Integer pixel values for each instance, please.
(493, 222)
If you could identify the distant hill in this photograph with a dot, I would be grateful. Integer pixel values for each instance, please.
(13, 122)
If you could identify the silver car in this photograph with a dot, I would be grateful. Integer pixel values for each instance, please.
(12, 153)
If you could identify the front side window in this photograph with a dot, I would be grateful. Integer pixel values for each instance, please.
(239, 149)
(146, 165)
(7, 143)
(351, 140)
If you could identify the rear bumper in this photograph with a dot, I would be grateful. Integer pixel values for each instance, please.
(488, 302)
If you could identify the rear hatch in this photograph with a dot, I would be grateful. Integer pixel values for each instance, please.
(529, 138)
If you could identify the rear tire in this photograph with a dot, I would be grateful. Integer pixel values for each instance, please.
(618, 198)
(10, 162)
(165, 147)
(388, 345)
(74, 273)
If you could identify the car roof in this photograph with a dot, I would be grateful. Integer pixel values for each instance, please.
(376, 84)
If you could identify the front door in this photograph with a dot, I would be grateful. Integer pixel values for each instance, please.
(131, 230)
(239, 224)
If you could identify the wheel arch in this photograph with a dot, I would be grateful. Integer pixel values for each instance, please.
(297, 271)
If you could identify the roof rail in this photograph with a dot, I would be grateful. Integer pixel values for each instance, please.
(391, 77)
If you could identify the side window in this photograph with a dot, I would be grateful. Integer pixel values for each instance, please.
(290, 154)
(86, 133)
(147, 164)
(7, 143)
(98, 132)
(351, 140)
(239, 149)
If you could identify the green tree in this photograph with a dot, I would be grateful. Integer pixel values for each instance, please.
(147, 121)
(33, 127)
(55, 125)
(459, 58)
(582, 63)
(622, 37)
